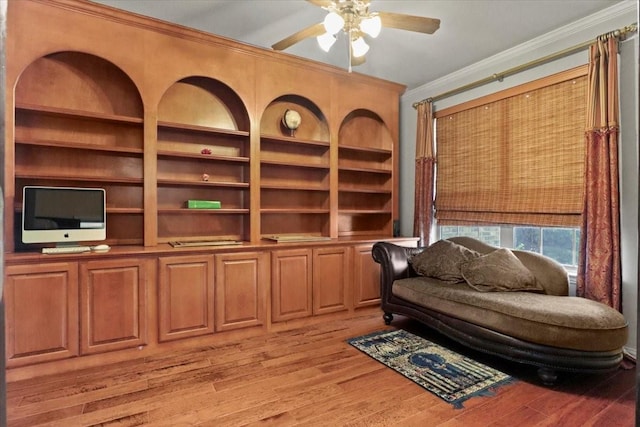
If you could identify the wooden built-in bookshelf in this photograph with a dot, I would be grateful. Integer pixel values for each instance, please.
(158, 115)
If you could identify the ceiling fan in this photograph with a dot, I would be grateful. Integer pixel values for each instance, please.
(356, 21)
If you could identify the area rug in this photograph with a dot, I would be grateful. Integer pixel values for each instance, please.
(450, 376)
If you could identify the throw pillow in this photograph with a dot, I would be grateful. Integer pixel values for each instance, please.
(499, 270)
(442, 260)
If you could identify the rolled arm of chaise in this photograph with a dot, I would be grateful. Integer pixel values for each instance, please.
(394, 262)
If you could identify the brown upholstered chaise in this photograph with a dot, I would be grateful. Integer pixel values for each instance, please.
(549, 330)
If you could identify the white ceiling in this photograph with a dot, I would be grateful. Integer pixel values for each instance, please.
(470, 30)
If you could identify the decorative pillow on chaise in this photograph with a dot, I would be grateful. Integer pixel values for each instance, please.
(499, 270)
(442, 260)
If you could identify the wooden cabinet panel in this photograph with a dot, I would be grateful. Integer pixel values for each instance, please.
(308, 281)
(41, 304)
(113, 305)
(291, 275)
(185, 297)
(366, 280)
(330, 279)
(242, 280)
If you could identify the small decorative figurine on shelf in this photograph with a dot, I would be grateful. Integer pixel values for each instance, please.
(205, 151)
(291, 121)
(205, 177)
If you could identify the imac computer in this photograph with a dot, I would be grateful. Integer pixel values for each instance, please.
(63, 216)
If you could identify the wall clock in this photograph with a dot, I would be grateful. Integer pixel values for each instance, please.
(291, 120)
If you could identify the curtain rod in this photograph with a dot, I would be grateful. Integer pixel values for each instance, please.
(620, 34)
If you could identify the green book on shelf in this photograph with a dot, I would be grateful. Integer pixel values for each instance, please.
(203, 204)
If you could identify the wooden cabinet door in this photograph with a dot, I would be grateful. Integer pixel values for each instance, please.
(366, 280)
(241, 284)
(291, 276)
(330, 279)
(185, 296)
(113, 305)
(41, 304)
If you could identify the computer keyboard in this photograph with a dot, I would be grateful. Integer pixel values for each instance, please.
(66, 250)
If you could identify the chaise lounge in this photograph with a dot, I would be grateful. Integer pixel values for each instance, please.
(540, 326)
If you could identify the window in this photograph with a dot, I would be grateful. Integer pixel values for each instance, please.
(515, 158)
(487, 234)
(558, 243)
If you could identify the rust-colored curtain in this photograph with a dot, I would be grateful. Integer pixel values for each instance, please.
(425, 163)
(599, 276)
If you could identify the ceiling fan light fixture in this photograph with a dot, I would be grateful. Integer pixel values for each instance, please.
(371, 25)
(360, 47)
(333, 23)
(352, 17)
(326, 41)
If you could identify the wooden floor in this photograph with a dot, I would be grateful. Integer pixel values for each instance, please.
(305, 377)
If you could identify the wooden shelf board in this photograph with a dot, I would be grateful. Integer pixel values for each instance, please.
(357, 234)
(17, 207)
(366, 149)
(285, 238)
(186, 211)
(78, 113)
(294, 140)
(79, 146)
(210, 157)
(202, 129)
(292, 188)
(118, 180)
(167, 182)
(363, 211)
(364, 190)
(367, 170)
(297, 165)
(124, 210)
(294, 211)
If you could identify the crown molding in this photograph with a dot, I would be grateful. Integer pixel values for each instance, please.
(552, 38)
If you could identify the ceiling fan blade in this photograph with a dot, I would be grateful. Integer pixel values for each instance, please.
(321, 3)
(409, 22)
(312, 31)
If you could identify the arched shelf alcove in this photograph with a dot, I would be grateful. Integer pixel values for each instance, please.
(294, 170)
(313, 124)
(77, 81)
(205, 102)
(365, 176)
(79, 123)
(203, 154)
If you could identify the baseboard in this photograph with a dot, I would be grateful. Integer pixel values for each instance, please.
(630, 352)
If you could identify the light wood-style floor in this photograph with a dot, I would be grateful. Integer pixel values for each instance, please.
(305, 377)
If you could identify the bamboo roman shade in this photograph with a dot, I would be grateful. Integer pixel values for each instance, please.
(515, 160)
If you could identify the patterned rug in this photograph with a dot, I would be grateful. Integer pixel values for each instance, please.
(449, 375)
